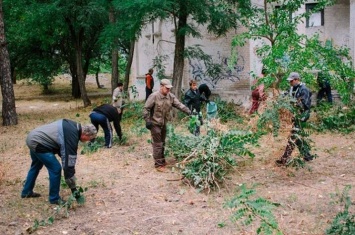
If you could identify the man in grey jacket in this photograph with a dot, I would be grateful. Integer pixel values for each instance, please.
(156, 114)
(60, 137)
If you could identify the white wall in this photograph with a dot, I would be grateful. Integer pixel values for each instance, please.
(234, 82)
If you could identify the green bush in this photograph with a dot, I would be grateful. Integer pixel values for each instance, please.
(344, 221)
(227, 111)
(335, 118)
(206, 160)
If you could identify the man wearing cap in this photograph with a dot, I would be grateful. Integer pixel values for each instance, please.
(156, 113)
(60, 137)
(301, 95)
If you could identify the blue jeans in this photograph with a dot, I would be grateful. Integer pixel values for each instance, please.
(54, 170)
(98, 119)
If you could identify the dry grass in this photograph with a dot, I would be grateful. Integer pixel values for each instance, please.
(127, 196)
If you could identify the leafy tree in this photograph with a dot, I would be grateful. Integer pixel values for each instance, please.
(57, 31)
(187, 15)
(32, 51)
(9, 114)
(84, 21)
(130, 19)
(285, 50)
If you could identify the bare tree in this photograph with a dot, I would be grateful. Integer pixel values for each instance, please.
(9, 114)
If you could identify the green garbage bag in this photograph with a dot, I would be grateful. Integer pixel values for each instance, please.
(211, 110)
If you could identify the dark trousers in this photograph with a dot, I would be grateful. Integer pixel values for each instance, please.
(98, 119)
(296, 139)
(158, 142)
(325, 91)
(148, 92)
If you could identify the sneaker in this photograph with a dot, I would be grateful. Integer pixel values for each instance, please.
(59, 202)
(33, 194)
(161, 169)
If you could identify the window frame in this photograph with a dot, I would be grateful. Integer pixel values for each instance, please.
(309, 7)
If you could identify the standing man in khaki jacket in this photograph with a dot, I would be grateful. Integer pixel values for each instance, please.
(156, 114)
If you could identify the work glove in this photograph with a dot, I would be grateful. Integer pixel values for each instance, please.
(148, 125)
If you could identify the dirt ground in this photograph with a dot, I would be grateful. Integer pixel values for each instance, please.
(127, 196)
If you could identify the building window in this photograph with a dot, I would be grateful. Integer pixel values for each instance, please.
(316, 18)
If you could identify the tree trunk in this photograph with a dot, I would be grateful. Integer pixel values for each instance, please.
(179, 54)
(75, 89)
(79, 69)
(129, 65)
(9, 115)
(97, 79)
(114, 53)
(114, 65)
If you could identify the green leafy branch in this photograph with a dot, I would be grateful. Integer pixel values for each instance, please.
(207, 159)
(335, 118)
(61, 209)
(250, 209)
(344, 221)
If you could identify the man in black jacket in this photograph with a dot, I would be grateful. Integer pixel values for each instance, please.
(60, 137)
(103, 115)
(301, 97)
(193, 100)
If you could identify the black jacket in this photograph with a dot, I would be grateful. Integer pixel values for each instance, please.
(193, 100)
(204, 90)
(111, 114)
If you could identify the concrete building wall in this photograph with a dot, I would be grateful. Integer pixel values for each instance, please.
(336, 24)
(234, 83)
(352, 29)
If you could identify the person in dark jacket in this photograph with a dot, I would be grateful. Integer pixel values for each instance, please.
(301, 96)
(103, 115)
(60, 137)
(193, 99)
(204, 91)
(324, 88)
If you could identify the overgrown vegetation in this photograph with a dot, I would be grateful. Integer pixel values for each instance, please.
(227, 111)
(206, 160)
(344, 221)
(335, 118)
(248, 208)
(62, 210)
(284, 49)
